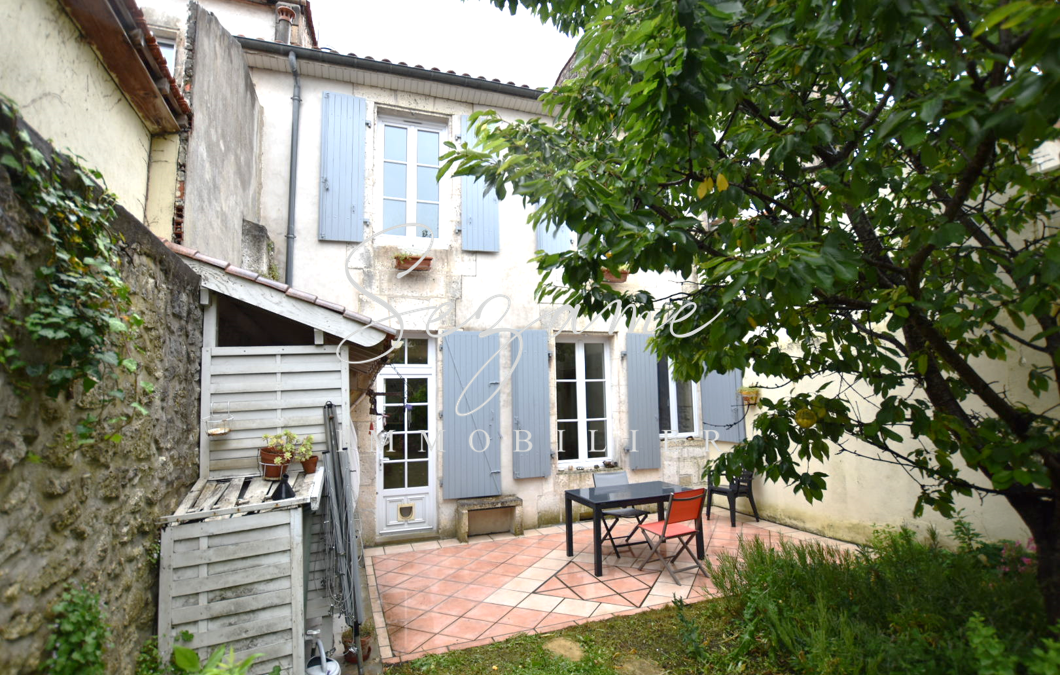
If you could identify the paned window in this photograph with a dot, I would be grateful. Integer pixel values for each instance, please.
(581, 401)
(410, 189)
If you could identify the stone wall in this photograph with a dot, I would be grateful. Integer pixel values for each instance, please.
(90, 515)
(220, 157)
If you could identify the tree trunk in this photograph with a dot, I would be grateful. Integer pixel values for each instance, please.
(1040, 515)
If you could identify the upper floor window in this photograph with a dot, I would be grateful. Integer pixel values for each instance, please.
(410, 189)
(678, 404)
(582, 408)
(168, 48)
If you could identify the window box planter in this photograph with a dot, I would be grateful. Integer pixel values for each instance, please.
(620, 279)
(406, 262)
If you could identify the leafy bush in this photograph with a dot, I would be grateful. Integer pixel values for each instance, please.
(79, 635)
(899, 605)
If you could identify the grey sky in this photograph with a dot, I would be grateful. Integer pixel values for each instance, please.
(472, 37)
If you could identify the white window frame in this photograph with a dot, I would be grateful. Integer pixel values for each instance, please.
(697, 408)
(582, 421)
(411, 122)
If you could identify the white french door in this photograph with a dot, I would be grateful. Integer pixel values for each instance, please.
(406, 479)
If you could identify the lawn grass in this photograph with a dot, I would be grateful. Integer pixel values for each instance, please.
(655, 636)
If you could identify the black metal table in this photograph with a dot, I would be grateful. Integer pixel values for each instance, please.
(599, 499)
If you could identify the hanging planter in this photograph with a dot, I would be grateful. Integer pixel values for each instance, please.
(750, 395)
(620, 279)
(411, 261)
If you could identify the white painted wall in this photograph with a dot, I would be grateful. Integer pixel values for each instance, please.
(69, 97)
(469, 279)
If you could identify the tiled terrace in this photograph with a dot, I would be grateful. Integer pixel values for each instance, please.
(436, 596)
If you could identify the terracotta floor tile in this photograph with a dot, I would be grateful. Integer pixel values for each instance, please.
(577, 578)
(480, 565)
(391, 579)
(501, 631)
(436, 572)
(463, 576)
(636, 597)
(496, 556)
(469, 552)
(431, 622)
(385, 564)
(400, 616)
(467, 629)
(418, 583)
(452, 562)
(508, 569)
(424, 601)
(616, 600)
(523, 618)
(438, 642)
(495, 580)
(593, 591)
(445, 587)
(456, 606)
(487, 611)
(477, 592)
(551, 584)
(395, 596)
(412, 568)
(404, 640)
(563, 593)
(627, 584)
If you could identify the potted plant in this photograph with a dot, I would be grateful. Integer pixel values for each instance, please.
(350, 656)
(623, 273)
(750, 395)
(411, 261)
(282, 449)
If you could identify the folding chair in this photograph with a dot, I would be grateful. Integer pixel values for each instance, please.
(610, 479)
(684, 507)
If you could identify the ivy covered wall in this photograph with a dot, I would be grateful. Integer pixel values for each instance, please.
(84, 476)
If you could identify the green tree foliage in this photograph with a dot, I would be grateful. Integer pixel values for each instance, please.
(850, 184)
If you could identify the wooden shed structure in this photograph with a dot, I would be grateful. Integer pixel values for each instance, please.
(239, 568)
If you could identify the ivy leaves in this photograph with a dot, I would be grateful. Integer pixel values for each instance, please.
(78, 317)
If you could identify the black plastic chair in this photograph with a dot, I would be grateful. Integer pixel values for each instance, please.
(741, 487)
(611, 517)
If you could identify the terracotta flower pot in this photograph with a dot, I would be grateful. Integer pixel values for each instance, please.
(402, 263)
(270, 469)
(621, 278)
(310, 465)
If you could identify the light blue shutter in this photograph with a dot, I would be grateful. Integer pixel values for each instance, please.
(723, 409)
(469, 473)
(642, 402)
(530, 406)
(342, 148)
(479, 215)
(553, 240)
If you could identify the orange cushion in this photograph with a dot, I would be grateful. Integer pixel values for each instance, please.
(675, 529)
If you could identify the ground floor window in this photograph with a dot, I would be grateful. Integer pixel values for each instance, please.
(582, 405)
(678, 404)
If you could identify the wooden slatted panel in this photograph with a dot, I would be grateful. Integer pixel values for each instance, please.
(342, 158)
(318, 604)
(471, 471)
(723, 409)
(479, 210)
(236, 582)
(532, 442)
(552, 239)
(642, 396)
(266, 392)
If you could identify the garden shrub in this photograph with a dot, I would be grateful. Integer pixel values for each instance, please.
(899, 605)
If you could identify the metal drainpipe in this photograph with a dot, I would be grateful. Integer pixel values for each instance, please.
(296, 103)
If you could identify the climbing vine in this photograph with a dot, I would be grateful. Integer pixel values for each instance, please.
(76, 328)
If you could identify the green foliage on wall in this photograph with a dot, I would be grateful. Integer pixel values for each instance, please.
(76, 329)
(79, 635)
